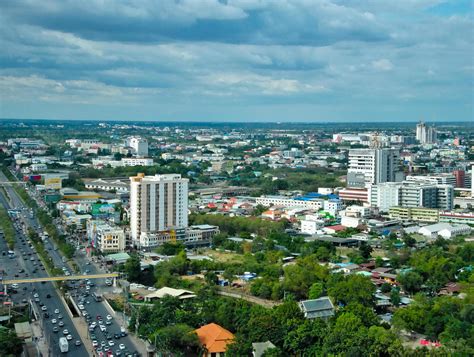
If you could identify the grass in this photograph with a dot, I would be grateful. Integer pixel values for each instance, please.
(224, 257)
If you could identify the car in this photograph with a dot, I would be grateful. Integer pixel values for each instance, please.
(55, 329)
(46, 315)
(69, 337)
(117, 336)
(24, 301)
(93, 336)
(81, 307)
(108, 322)
(60, 316)
(122, 346)
(53, 321)
(77, 343)
(109, 317)
(48, 296)
(103, 343)
(98, 317)
(56, 311)
(84, 313)
(41, 304)
(103, 328)
(123, 334)
(109, 336)
(118, 352)
(111, 343)
(101, 322)
(35, 295)
(88, 287)
(44, 308)
(65, 331)
(93, 324)
(95, 343)
(61, 324)
(37, 300)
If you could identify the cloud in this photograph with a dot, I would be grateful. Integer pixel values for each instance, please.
(382, 64)
(200, 57)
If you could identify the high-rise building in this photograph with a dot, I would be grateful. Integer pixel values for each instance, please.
(460, 176)
(425, 134)
(158, 204)
(411, 194)
(372, 166)
(139, 145)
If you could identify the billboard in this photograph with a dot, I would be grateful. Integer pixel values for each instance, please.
(53, 183)
(102, 209)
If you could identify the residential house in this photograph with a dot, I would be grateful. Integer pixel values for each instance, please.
(214, 339)
(317, 308)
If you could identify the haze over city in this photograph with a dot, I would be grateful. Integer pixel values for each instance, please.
(308, 61)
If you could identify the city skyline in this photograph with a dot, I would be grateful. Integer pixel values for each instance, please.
(250, 61)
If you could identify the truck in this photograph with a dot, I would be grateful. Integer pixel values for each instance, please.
(63, 345)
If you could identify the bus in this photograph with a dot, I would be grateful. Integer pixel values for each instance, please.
(97, 296)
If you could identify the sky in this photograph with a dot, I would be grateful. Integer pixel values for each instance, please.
(237, 60)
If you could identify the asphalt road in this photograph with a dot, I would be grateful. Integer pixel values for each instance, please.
(92, 307)
(33, 268)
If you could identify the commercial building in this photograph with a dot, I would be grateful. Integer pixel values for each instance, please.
(372, 166)
(310, 203)
(442, 179)
(354, 194)
(105, 237)
(444, 230)
(414, 214)
(425, 134)
(107, 185)
(158, 205)
(138, 145)
(456, 217)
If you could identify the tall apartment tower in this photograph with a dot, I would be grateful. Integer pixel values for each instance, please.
(139, 145)
(158, 204)
(425, 134)
(372, 166)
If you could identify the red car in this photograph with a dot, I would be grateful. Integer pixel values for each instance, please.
(99, 317)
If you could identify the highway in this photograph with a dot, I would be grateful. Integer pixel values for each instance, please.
(27, 260)
(80, 293)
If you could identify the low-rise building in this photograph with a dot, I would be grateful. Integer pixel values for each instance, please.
(418, 214)
(317, 308)
(105, 237)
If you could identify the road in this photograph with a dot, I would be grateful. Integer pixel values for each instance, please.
(27, 260)
(92, 307)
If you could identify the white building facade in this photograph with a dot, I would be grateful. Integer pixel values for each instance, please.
(157, 204)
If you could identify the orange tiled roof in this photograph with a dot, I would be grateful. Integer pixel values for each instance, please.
(214, 337)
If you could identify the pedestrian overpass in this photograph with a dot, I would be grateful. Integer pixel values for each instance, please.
(58, 278)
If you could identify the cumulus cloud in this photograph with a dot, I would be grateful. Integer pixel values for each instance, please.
(255, 52)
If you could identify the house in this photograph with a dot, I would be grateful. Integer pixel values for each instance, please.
(214, 339)
(165, 291)
(334, 229)
(317, 308)
(259, 348)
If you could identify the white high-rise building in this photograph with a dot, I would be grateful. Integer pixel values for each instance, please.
(158, 204)
(372, 166)
(139, 145)
(411, 194)
(425, 134)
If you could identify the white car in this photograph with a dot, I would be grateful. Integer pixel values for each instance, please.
(81, 307)
(103, 328)
(109, 317)
(53, 321)
(69, 337)
(93, 324)
(65, 332)
(56, 311)
(95, 343)
(122, 346)
(44, 308)
(36, 295)
(111, 343)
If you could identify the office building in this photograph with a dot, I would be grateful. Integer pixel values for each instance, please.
(425, 134)
(157, 204)
(138, 145)
(372, 166)
(442, 179)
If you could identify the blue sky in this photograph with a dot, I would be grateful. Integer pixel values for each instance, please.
(237, 60)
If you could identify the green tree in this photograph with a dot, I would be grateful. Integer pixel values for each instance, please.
(395, 297)
(176, 338)
(316, 290)
(352, 288)
(10, 344)
(411, 281)
(132, 268)
(347, 337)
